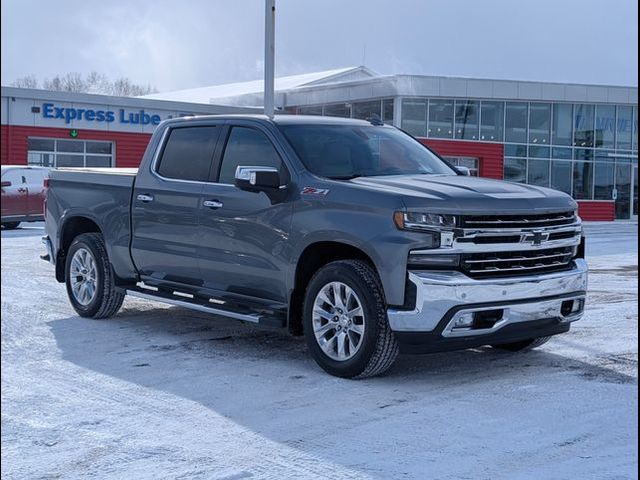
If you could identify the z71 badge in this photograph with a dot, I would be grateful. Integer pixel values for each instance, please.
(315, 191)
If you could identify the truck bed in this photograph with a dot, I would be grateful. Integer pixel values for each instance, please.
(102, 194)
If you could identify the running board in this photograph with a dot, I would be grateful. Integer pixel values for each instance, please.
(158, 296)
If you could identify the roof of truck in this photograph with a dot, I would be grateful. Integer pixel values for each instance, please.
(284, 119)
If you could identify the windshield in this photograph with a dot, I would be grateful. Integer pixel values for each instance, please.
(349, 151)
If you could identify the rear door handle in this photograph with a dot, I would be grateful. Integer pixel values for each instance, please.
(145, 198)
(213, 204)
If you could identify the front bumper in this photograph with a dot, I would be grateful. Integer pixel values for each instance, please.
(442, 297)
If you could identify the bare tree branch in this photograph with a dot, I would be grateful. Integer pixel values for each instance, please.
(94, 82)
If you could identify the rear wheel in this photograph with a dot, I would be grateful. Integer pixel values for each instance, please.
(523, 345)
(10, 225)
(345, 321)
(89, 278)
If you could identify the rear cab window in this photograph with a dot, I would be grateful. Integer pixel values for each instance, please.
(188, 153)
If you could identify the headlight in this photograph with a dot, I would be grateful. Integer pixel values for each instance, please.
(423, 221)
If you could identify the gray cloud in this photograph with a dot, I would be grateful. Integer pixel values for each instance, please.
(183, 44)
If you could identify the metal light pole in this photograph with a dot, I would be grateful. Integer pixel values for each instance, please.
(269, 56)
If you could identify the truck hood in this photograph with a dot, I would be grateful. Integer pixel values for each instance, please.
(471, 195)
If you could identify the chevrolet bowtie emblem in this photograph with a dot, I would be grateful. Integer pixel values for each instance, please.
(537, 237)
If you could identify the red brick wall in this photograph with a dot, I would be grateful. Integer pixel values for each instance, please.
(491, 155)
(129, 147)
(596, 211)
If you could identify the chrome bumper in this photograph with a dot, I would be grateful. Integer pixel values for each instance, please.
(450, 294)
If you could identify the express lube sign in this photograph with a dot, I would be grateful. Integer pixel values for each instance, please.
(122, 116)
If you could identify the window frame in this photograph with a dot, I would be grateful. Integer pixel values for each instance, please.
(164, 140)
(223, 141)
(83, 154)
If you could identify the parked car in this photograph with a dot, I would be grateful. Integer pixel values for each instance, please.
(347, 231)
(23, 193)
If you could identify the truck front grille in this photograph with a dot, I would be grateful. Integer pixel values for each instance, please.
(518, 221)
(525, 262)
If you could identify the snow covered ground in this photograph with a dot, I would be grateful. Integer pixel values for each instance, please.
(161, 392)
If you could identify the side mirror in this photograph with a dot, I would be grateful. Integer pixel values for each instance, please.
(257, 178)
(464, 171)
(5, 183)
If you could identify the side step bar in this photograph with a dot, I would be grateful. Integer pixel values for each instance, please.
(270, 321)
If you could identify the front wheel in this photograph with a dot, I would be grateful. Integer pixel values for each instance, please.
(89, 278)
(10, 225)
(523, 345)
(345, 321)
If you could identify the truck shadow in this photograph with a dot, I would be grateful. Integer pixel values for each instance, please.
(264, 380)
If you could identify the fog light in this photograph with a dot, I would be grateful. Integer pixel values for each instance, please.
(578, 305)
(464, 320)
(434, 260)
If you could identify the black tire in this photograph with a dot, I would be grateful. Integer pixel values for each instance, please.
(107, 299)
(379, 348)
(524, 345)
(10, 225)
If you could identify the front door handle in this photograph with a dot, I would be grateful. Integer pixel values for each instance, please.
(145, 198)
(213, 204)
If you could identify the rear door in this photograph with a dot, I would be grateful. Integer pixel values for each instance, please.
(245, 234)
(14, 193)
(166, 204)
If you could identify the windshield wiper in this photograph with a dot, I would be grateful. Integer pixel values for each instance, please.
(344, 177)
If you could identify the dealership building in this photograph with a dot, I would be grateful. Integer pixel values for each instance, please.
(581, 139)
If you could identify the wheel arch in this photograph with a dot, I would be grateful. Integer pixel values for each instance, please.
(313, 257)
(70, 228)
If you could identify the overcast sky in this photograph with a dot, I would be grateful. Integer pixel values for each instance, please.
(190, 43)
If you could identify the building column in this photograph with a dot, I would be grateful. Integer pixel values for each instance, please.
(397, 112)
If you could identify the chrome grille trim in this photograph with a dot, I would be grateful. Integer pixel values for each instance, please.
(519, 221)
(522, 262)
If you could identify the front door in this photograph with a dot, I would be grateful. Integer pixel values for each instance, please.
(166, 207)
(245, 234)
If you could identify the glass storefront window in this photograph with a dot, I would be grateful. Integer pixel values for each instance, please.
(583, 154)
(623, 190)
(603, 181)
(584, 118)
(338, 110)
(414, 116)
(467, 120)
(538, 173)
(387, 110)
(605, 125)
(440, 119)
(516, 123)
(624, 126)
(41, 144)
(561, 176)
(583, 180)
(515, 150)
(635, 128)
(365, 110)
(540, 123)
(310, 110)
(515, 169)
(536, 151)
(560, 152)
(562, 124)
(491, 121)
(70, 146)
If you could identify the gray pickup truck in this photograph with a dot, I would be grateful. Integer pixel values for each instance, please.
(349, 232)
